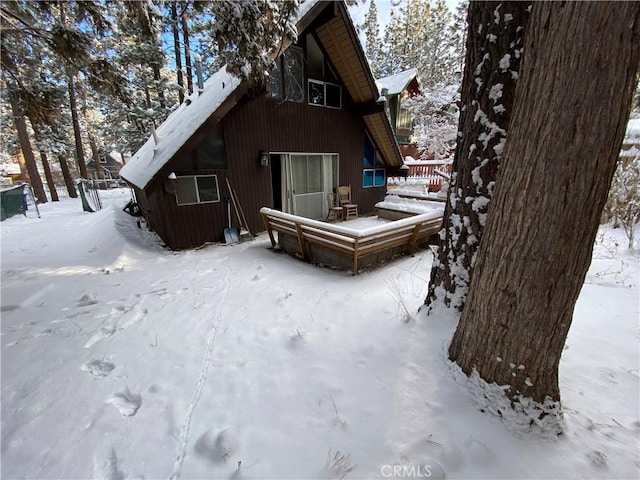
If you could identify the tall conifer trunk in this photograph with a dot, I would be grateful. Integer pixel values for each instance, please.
(570, 113)
(25, 146)
(494, 45)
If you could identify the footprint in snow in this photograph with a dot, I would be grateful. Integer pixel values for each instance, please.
(104, 332)
(98, 368)
(126, 402)
(87, 299)
(217, 448)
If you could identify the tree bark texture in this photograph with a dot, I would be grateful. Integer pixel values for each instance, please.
(68, 179)
(93, 143)
(25, 145)
(570, 113)
(187, 50)
(73, 105)
(494, 46)
(175, 28)
(47, 173)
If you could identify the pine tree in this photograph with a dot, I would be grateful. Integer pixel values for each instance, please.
(373, 44)
(458, 34)
(559, 158)
(418, 35)
(436, 64)
(494, 46)
(247, 36)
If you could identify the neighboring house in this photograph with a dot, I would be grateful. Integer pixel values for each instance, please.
(397, 89)
(631, 143)
(110, 164)
(318, 126)
(10, 173)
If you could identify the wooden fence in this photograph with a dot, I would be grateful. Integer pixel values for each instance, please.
(427, 170)
(343, 247)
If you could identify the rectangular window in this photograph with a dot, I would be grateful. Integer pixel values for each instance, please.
(325, 94)
(195, 189)
(209, 153)
(275, 81)
(293, 63)
(405, 119)
(373, 177)
(286, 78)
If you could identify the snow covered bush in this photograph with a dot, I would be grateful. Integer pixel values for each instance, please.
(623, 204)
(436, 119)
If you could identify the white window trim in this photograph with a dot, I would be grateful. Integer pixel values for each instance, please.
(194, 177)
(374, 177)
(324, 85)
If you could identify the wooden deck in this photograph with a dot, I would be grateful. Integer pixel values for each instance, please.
(342, 247)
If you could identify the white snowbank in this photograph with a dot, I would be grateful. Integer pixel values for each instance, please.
(118, 357)
(411, 205)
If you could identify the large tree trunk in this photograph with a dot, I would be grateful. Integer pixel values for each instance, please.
(175, 28)
(24, 173)
(571, 108)
(187, 50)
(25, 146)
(73, 105)
(47, 173)
(494, 44)
(93, 144)
(45, 163)
(68, 179)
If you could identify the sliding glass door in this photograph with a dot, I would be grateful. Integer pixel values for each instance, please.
(307, 179)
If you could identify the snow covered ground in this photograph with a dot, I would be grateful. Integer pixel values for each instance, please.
(124, 360)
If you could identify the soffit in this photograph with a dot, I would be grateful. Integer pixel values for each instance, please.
(384, 139)
(339, 45)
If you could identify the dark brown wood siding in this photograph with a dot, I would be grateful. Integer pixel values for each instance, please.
(255, 125)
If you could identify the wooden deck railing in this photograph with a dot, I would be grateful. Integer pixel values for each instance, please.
(407, 233)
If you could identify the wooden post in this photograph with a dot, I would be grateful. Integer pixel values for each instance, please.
(301, 241)
(269, 230)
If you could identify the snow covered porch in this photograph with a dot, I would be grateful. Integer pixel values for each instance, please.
(347, 247)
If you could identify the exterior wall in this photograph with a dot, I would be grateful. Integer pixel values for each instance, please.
(254, 125)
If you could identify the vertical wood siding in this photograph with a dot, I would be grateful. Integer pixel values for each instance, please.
(272, 126)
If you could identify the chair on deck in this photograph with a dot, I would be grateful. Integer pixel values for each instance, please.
(344, 199)
(335, 210)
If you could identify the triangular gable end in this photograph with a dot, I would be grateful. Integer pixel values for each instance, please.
(222, 90)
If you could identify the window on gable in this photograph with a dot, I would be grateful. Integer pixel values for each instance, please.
(315, 59)
(405, 119)
(286, 78)
(325, 94)
(195, 189)
(210, 152)
(371, 176)
(275, 81)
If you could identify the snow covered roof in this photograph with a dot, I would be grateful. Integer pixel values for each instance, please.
(9, 168)
(174, 132)
(397, 83)
(183, 122)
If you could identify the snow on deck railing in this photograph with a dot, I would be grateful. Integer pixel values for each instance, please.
(353, 243)
(423, 172)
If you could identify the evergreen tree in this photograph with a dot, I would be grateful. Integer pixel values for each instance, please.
(419, 35)
(246, 36)
(436, 64)
(458, 34)
(494, 45)
(559, 158)
(373, 44)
